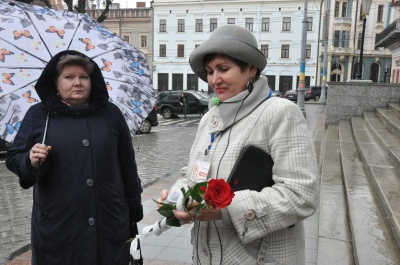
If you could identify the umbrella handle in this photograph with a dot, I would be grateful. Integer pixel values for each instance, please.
(45, 127)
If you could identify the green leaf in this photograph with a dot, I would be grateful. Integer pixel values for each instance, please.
(166, 210)
(172, 221)
(197, 193)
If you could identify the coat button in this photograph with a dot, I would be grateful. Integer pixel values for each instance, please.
(260, 259)
(214, 122)
(85, 142)
(250, 215)
(78, 114)
(89, 182)
(91, 221)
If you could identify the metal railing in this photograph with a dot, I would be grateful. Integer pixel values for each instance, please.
(395, 26)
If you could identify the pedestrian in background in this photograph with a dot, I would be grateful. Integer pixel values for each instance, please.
(86, 189)
(184, 102)
(263, 227)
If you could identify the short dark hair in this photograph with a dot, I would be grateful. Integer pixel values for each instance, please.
(73, 59)
(243, 65)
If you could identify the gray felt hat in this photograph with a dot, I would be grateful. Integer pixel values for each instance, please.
(232, 40)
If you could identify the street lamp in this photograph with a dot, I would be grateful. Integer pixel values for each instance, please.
(365, 6)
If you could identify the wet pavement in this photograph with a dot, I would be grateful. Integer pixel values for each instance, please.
(159, 156)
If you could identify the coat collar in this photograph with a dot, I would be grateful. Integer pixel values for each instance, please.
(236, 108)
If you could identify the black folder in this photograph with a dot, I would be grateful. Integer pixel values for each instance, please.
(252, 171)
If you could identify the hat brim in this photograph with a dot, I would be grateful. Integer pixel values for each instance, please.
(228, 46)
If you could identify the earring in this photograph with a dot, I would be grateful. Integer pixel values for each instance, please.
(250, 84)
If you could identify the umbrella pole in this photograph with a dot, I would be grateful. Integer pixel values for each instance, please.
(45, 127)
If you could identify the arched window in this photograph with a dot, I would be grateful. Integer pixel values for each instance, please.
(355, 71)
(336, 71)
(374, 73)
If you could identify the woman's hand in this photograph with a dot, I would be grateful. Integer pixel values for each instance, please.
(211, 214)
(164, 195)
(38, 154)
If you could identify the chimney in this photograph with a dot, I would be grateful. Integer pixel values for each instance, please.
(140, 4)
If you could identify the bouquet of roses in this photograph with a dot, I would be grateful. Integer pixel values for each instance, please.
(203, 195)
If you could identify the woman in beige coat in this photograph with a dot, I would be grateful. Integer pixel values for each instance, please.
(263, 227)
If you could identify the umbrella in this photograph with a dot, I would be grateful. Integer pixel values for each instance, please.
(30, 35)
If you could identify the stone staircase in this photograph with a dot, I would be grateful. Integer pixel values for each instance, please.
(360, 190)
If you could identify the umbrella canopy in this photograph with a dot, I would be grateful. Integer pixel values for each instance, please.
(30, 35)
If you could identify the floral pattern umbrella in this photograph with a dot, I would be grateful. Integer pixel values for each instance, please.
(30, 35)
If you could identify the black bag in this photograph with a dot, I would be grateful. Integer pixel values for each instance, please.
(252, 171)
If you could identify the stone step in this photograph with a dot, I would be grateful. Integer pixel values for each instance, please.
(390, 118)
(383, 174)
(388, 140)
(373, 237)
(394, 106)
(334, 246)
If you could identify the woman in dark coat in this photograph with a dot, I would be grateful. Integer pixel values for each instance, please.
(86, 190)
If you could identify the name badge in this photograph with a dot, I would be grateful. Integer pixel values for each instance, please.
(199, 171)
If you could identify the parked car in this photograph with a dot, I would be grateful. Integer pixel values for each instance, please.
(168, 103)
(4, 146)
(149, 122)
(291, 95)
(277, 93)
(313, 92)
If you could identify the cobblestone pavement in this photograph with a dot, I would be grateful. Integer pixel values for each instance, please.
(161, 153)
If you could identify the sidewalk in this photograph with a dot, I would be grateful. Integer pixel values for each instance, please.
(173, 247)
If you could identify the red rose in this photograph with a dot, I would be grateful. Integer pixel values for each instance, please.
(218, 193)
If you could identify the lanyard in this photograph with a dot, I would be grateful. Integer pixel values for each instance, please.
(213, 137)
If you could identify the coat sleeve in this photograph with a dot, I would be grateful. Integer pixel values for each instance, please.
(295, 194)
(133, 188)
(18, 155)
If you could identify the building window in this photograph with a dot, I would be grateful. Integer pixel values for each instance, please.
(181, 25)
(265, 24)
(199, 25)
(162, 82)
(271, 81)
(285, 51)
(336, 38)
(308, 51)
(249, 23)
(380, 13)
(374, 72)
(213, 24)
(181, 50)
(344, 9)
(177, 81)
(163, 25)
(285, 83)
(264, 50)
(126, 38)
(163, 50)
(310, 22)
(286, 24)
(192, 82)
(337, 7)
(231, 21)
(143, 41)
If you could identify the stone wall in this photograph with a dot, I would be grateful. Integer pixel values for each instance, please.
(346, 99)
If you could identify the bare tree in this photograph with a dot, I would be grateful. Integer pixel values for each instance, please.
(80, 8)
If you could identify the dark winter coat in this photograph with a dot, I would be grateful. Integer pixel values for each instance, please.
(88, 192)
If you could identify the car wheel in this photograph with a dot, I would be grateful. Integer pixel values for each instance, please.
(145, 127)
(166, 113)
(316, 98)
(204, 111)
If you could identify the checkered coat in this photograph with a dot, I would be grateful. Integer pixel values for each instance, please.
(257, 228)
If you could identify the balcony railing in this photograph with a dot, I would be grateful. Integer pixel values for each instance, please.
(342, 21)
(389, 35)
